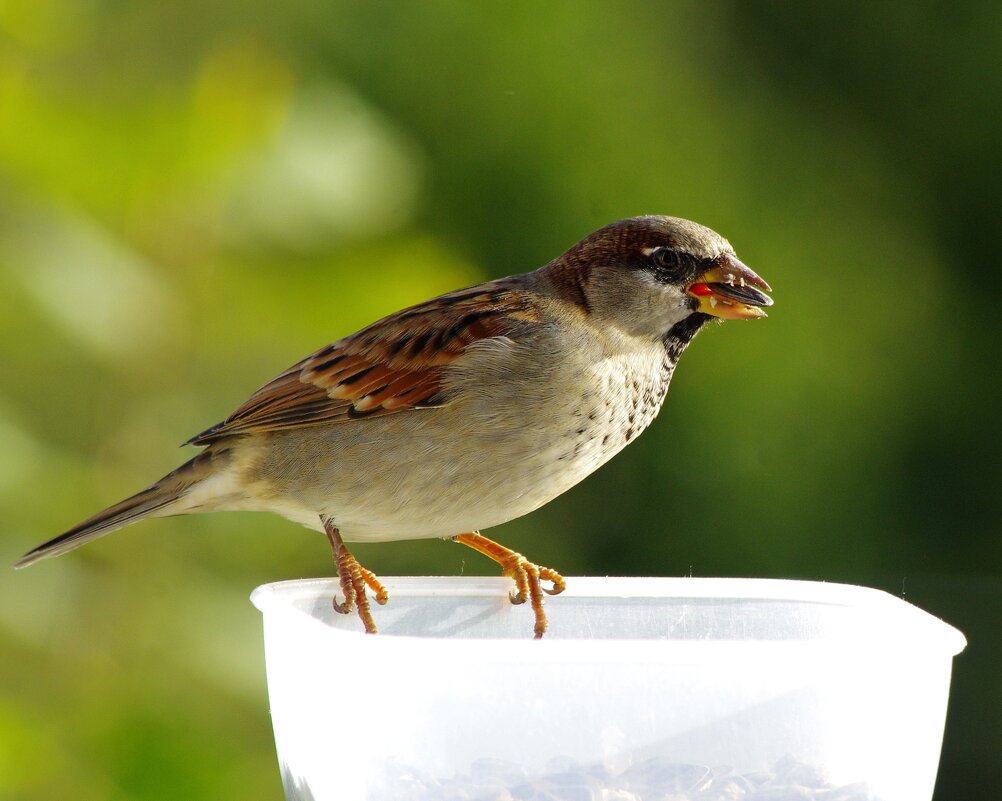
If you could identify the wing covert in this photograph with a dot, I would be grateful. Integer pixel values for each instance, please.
(393, 365)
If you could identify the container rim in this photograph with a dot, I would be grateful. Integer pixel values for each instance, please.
(279, 597)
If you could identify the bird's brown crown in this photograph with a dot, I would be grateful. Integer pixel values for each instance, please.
(630, 242)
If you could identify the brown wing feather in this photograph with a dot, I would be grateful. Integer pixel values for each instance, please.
(395, 364)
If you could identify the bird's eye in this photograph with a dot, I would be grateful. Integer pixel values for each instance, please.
(667, 259)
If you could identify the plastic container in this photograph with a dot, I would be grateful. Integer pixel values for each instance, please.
(643, 688)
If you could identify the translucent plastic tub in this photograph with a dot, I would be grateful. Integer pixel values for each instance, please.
(643, 688)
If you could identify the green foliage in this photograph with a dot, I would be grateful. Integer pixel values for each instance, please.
(193, 196)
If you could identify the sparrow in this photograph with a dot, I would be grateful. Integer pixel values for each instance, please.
(465, 411)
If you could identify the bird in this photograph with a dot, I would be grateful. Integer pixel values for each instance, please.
(465, 411)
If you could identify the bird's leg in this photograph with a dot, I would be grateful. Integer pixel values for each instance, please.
(354, 579)
(526, 575)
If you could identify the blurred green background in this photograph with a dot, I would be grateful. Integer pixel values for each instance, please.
(193, 196)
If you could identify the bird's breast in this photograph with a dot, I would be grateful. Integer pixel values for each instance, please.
(623, 397)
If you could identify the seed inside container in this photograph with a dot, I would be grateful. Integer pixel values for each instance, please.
(652, 779)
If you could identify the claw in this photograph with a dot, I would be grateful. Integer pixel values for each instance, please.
(521, 592)
(526, 575)
(559, 585)
(342, 608)
(381, 595)
(354, 579)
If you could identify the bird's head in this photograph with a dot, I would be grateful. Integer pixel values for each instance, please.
(646, 274)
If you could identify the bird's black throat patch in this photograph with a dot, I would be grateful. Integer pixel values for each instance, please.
(678, 337)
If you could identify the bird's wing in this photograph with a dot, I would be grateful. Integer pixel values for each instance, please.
(395, 364)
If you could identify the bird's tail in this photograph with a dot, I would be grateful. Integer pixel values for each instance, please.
(159, 500)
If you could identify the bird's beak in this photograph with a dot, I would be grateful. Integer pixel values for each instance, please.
(728, 290)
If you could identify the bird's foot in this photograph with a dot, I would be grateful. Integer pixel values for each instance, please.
(354, 579)
(527, 575)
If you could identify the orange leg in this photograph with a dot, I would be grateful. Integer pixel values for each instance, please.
(526, 575)
(354, 579)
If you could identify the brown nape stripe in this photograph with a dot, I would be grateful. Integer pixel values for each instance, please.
(582, 295)
(568, 276)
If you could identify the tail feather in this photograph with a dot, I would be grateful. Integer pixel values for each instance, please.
(156, 500)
